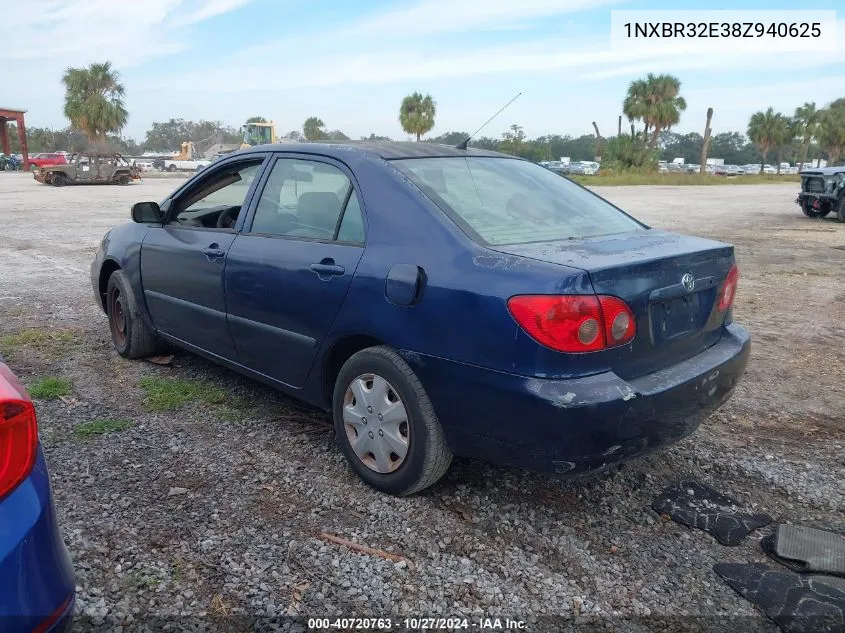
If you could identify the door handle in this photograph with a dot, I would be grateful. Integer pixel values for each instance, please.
(212, 252)
(327, 268)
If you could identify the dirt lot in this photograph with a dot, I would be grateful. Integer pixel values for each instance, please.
(207, 502)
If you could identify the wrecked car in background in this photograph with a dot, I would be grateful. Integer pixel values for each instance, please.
(822, 191)
(89, 169)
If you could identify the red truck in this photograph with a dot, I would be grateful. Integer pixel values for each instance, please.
(46, 159)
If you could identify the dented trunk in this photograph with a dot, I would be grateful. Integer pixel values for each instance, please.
(671, 282)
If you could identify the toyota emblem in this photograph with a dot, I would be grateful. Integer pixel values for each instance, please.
(688, 282)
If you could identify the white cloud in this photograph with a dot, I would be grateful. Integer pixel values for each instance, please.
(427, 17)
(207, 9)
(129, 33)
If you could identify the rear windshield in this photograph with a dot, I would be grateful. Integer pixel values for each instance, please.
(507, 201)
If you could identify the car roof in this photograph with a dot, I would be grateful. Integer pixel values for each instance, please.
(387, 150)
(824, 171)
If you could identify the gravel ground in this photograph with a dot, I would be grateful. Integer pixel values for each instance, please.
(214, 513)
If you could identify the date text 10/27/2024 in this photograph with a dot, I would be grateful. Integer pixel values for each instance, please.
(415, 624)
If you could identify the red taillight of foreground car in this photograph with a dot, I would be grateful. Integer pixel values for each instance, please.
(18, 433)
(727, 292)
(574, 323)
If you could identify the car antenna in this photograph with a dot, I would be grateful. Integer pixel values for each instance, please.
(463, 144)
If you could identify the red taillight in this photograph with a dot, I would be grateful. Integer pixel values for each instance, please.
(574, 323)
(18, 433)
(619, 325)
(728, 290)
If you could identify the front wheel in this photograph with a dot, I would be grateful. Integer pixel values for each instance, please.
(386, 425)
(812, 212)
(840, 209)
(123, 180)
(171, 168)
(129, 333)
(58, 180)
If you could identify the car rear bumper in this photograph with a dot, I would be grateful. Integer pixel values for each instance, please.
(581, 424)
(37, 583)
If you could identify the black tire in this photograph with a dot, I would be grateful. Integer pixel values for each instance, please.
(129, 333)
(840, 209)
(58, 180)
(171, 168)
(123, 180)
(428, 457)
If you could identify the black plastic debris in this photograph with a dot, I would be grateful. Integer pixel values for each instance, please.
(796, 603)
(700, 506)
(805, 549)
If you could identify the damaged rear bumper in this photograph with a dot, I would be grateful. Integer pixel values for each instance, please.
(574, 425)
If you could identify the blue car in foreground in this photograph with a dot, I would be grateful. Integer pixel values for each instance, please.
(37, 582)
(438, 301)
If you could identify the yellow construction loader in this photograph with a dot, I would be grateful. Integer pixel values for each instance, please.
(259, 134)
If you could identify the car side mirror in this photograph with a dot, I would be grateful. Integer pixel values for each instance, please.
(146, 212)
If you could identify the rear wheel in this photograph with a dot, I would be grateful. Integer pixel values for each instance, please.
(58, 180)
(840, 209)
(130, 335)
(171, 168)
(386, 425)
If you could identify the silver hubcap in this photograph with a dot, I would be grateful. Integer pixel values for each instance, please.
(376, 423)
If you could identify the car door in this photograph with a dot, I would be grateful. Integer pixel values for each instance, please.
(83, 169)
(289, 270)
(182, 262)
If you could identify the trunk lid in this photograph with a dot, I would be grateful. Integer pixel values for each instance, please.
(647, 269)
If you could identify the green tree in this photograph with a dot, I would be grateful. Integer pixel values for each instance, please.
(336, 135)
(512, 140)
(313, 129)
(257, 119)
(768, 129)
(449, 138)
(831, 131)
(806, 123)
(94, 101)
(375, 137)
(655, 101)
(416, 114)
(626, 152)
(169, 135)
(686, 146)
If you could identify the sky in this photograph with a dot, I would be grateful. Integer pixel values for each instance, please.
(351, 63)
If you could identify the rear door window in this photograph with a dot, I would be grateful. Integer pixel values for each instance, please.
(311, 200)
(506, 201)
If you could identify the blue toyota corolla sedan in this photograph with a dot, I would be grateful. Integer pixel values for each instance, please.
(437, 301)
(37, 582)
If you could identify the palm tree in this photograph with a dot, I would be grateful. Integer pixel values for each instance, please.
(416, 114)
(313, 129)
(768, 129)
(831, 132)
(94, 101)
(655, 101)
(805, 123)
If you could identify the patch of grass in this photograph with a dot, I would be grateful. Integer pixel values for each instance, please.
(51, 342)
(101, 427)
(50, 388)
(623, 179)
(143, 579)
(168, 394)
